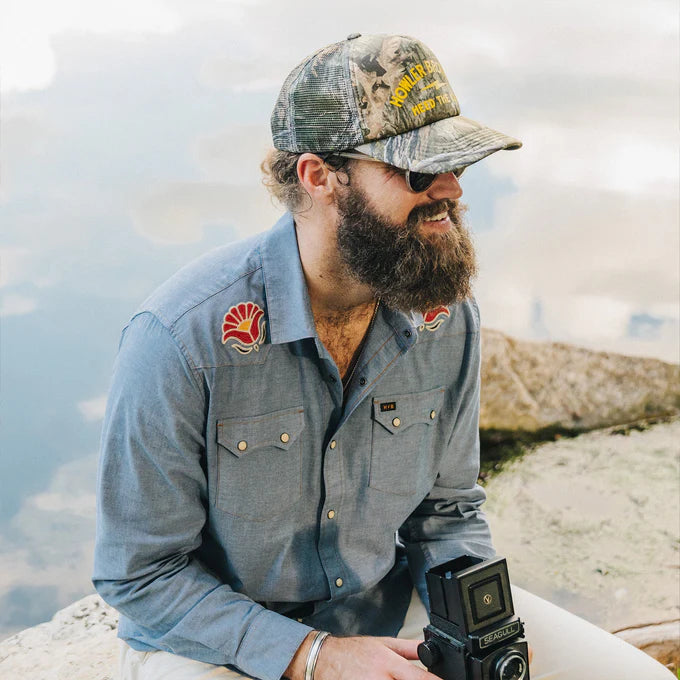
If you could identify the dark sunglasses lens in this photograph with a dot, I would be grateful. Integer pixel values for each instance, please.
(419, 181)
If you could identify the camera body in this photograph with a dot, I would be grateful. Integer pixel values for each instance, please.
(473, 632)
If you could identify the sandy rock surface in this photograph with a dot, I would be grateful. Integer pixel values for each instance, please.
(79, 643)
(591, 523)
(534, 385)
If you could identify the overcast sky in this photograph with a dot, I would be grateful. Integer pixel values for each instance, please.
(130, 139)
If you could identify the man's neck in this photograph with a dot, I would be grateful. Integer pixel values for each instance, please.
(335, 296)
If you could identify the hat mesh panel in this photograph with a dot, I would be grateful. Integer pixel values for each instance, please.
(321, 113)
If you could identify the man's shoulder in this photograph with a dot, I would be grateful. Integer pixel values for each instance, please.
(469, 310)
(206, 280)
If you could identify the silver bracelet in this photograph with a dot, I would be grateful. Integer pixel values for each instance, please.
(313, 655)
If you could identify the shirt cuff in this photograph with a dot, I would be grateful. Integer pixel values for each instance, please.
(270, 644)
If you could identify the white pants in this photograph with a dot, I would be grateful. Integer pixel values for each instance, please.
(565, 648)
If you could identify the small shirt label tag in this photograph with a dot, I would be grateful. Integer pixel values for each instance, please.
(388, 406)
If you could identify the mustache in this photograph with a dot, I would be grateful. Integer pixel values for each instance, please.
(427, 212)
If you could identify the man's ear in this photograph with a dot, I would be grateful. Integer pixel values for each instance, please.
(316, 177)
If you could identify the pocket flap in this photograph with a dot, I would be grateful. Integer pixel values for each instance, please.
(397, 412)
(280, 429)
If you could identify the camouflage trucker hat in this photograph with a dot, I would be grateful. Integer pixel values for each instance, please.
(383, 95)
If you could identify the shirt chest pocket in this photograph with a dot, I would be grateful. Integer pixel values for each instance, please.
(403, 431)
(259, 461)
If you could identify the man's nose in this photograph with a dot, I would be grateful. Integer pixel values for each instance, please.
(445, 185)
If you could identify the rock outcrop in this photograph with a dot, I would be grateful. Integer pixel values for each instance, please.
(534, 386)
(79, 643)
(660, 640)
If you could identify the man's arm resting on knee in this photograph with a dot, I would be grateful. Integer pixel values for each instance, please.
(151, 515)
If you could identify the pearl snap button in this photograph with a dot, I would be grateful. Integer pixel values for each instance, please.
(285, 437)
(396, 422)
(242, 446)
(339, 582)
(331, 514)
(433, 415)
(334, 444)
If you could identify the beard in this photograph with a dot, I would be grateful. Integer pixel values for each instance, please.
(407, 270)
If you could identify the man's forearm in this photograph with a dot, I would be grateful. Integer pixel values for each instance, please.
(190, 613)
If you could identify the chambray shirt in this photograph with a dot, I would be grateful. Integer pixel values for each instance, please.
(242, 501)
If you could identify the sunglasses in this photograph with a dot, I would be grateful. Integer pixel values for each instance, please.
(417, 182)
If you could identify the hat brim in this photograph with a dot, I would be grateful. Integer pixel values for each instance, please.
(443, 146)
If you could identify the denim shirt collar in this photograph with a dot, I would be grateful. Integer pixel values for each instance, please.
(288, 306)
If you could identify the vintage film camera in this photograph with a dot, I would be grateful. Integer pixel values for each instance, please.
(473, 633)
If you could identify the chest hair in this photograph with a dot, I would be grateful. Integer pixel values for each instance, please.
(342, 336)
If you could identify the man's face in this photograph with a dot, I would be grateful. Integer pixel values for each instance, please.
(414, 264)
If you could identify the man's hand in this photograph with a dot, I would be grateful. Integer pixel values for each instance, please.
(368, 658)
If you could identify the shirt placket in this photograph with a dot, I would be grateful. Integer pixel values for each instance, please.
(384, 348)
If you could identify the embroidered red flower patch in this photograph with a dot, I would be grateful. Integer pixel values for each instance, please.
(434, 318)
(245, 324)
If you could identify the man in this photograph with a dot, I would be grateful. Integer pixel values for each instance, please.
(291, 436)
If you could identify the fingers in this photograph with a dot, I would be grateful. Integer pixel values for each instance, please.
(370, 658)
(406, 648)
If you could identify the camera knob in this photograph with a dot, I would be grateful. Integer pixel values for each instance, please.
(428, 653)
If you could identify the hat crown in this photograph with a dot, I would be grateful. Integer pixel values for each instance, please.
(360, 90)
(400, 85)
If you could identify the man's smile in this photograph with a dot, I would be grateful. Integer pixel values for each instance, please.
(441, 222)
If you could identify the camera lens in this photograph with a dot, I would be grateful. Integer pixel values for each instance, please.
(511, 666)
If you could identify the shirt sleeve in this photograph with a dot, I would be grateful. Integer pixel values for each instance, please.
(449, 522)
(151, 512)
